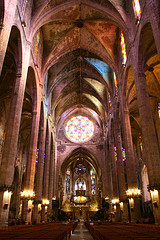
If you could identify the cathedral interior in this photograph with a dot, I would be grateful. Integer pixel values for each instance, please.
(79, 110)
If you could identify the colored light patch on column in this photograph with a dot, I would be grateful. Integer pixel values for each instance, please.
(137, 8)
(79, 129)
(123, 48)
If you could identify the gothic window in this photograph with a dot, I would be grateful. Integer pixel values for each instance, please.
(80, 169)
(115, 83)
(115, 153)
(37, 154)
(79, 129)
(93, 182)
(137, 9)
(123, 48)
(123, 154)
(159, 110)
(67, 181)
(80, 184)
(109, 100)
(24, 8)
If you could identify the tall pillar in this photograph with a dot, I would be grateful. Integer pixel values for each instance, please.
(28, 194)
(154, 15)
(134, 201)
(149, 133)
(120, 170)
(115, 199)
(11, 140)
(40, 167)
(51, 175)
(45, 200)
(157, 125)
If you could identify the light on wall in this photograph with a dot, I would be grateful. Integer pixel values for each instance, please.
(131, 202)
(45, 202)
(6, 199)
(121, 206)
(155, 197)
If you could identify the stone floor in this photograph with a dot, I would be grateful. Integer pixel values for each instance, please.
(81, 233)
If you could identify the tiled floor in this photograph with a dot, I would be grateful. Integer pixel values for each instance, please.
(81, 233)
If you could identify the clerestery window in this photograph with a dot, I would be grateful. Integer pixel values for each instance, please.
(79, 129)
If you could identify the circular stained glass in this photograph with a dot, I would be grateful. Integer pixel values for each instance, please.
(79, 129)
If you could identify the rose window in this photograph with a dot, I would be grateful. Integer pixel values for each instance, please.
(79, 129)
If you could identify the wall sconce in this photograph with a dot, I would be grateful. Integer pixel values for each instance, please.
(27, 194)
(106, 198)
(133, 192)
(45, 202)
(115, 201)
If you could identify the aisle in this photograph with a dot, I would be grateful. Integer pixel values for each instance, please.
(81, 232)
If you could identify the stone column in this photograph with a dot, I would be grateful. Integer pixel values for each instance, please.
(46, 176)
(115, 199)
(154, 15)
(148, 131)
(30, 169)
(108, 172)
(11, 138)
(157, 125)
(130, 160)
(40, 167)
(51, 175)
(120, 170)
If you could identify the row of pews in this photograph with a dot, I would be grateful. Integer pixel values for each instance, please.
(55, 230)
(122, 231)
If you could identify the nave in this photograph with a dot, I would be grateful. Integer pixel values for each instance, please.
(82, 231)
(79, 112)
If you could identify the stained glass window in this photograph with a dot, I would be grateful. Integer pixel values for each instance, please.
(93, 177)
(80, 169)
(140, 144)
(109, 99)
(80, 184)
(79, 129)
(115, 82)
(159, 110)
(115, 153)
(37, 154)
(123, 154)
(123, 48)
(24, 7)
(67, 181)
(137, 8)
(37, 40)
